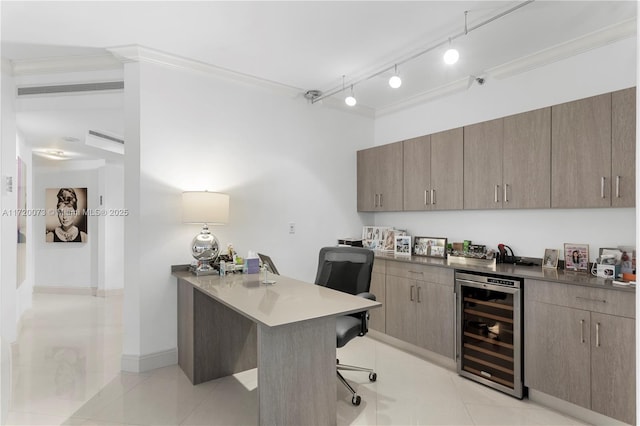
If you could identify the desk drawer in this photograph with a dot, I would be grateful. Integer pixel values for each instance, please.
(414, 271)
(620, 303)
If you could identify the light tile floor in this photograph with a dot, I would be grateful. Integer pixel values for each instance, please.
(66, 371)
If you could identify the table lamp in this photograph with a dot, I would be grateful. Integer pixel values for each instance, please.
(206, 208)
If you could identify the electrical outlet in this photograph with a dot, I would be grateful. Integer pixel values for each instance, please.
(292, 228)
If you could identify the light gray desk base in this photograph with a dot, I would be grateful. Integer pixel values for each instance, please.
(296, 362)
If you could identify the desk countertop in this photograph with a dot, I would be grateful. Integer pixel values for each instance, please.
(285, 302)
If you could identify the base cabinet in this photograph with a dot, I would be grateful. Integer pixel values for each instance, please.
(578, 349)
(378, 285)
(420, 306)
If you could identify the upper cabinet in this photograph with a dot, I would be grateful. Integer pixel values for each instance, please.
(483, 165)
(581, 153)
(433, 171)
(623, 148)
(526, 160)
(578, 154)
(507, 162)
(380, 178)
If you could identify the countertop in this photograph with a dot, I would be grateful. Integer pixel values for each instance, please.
(527, 272)
(285, 302)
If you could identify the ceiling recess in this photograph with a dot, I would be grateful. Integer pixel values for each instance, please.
(71, 88)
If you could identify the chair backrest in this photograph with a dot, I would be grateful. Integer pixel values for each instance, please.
(346, 269)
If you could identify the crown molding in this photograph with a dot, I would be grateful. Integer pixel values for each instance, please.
(136, 53)
(608, 35)
(102, 61)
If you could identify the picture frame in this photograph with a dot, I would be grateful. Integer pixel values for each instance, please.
(430, 247)
(402, 245)
(576, 257)
(550, 259)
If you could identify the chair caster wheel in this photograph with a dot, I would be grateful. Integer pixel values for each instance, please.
(356, 400)
(373, 377)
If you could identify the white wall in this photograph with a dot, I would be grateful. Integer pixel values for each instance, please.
(24, 292)
(281, 160)
(111, 229)
(528, 232)
(73, 265)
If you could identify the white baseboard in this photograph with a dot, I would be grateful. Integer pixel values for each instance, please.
(572, 410)
(142, 363)
(85, 291)
(110, 292)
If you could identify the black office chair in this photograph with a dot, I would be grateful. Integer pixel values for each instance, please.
(348, 269)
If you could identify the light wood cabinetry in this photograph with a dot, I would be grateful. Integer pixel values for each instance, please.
(623, 148)
(507, 162)
(526, 160)
(483, 165)
(580, 346)
(420, 306)
(433, 171)
(380, 178)
(378, 288)
(581, 153)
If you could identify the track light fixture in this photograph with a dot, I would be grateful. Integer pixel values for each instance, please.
(350, 100)
(395, 81)
(451, 57)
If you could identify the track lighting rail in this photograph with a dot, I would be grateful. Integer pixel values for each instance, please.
(466, 31)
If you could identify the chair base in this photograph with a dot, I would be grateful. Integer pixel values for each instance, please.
(355, 398)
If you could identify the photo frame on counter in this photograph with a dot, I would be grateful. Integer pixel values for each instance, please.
(430, 247)
(576, 257)
(550, 259)
(402, 245)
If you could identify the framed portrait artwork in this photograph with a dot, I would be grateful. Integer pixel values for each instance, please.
(576, 257)
(402, 245)
(66, 220)
(550, 259)
(430, 246)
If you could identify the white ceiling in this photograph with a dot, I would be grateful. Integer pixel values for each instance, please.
(304, 45)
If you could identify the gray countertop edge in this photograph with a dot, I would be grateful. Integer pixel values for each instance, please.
(526, 272)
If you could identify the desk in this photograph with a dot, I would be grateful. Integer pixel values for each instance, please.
(288, 330)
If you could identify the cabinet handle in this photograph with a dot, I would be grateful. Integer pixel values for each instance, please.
(380, 200)
(591, 300)
(433, 196)
(416, 272)
(617, 186)
(375, 201)
(495, 194)
(582, 331)
(411, 293)
(425, 197)
(506, 187)
(419, 288)
(597, 335)
(602, 186)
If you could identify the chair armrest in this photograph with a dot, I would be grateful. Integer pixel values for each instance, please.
(367, 295)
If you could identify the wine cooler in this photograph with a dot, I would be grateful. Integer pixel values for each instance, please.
(489, 330)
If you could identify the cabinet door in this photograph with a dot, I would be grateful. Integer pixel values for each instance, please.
(366, 169)
(581, 153)
(623, 148)
(388, 178)
(401, 309)
(417, 173)
(527, 160)
(557, 352)
(447, 170)
(483, 165)
(613, 366)
(435, 311)
(377, 316)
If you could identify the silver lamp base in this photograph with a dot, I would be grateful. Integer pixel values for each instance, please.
(205, 248)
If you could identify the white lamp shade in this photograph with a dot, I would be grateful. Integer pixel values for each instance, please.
(205, 207)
